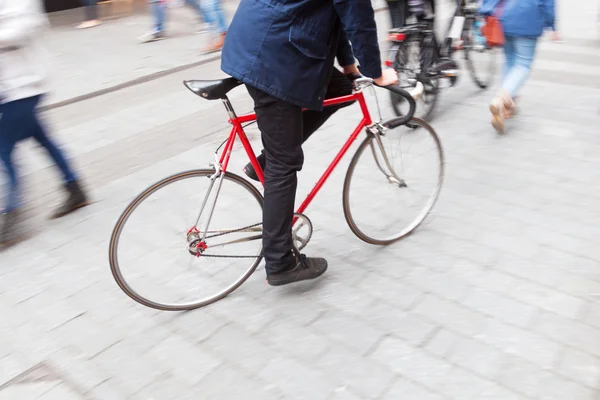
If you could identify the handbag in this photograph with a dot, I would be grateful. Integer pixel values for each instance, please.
(492, 30)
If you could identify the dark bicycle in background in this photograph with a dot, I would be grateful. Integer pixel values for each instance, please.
(417, 56)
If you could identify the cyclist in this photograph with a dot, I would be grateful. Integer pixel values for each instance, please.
(284, 50)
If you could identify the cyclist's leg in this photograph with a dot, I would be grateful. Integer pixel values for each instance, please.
(280, 124)
(339, 85)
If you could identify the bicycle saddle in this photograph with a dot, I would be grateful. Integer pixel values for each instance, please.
(212, 90)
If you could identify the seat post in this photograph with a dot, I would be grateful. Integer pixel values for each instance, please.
(228, 107)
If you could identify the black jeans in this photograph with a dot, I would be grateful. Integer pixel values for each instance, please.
(398, 12)
(284, 127)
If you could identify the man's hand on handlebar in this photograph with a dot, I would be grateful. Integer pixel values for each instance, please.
(388, 77)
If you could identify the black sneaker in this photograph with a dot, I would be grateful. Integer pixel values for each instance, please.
(306, 268)
(249, 169)
(9, 232)
(76, 199)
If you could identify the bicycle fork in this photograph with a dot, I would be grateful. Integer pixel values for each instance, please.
(392, 177)
(196, 235)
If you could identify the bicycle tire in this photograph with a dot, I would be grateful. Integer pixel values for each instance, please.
(467, 38)
(427, 104)
(115, 237)
(350, 219)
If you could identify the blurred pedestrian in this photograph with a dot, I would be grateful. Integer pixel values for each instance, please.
(90, 9)
(523, 22)
(399, 12)
(22, 78)
(216, 18)
(159, 13)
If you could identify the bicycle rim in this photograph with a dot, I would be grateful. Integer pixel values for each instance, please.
(480, 59)
(377, 208)
(160, 245)
(407, 64)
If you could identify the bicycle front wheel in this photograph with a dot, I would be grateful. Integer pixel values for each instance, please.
(480, 58)
(393, 182)
(188, 240)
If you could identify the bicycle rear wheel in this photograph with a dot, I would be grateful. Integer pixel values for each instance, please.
(158, 253)
(386, 196)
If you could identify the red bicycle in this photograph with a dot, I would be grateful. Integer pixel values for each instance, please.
(199, 233)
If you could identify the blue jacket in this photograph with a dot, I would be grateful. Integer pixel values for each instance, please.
(287, 48)
(523, 17)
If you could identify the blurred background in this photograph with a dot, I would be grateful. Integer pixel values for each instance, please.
(496, 296)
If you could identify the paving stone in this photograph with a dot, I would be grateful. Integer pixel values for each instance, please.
(477, 357)
(283, 373)
(581, 367)
(348, 332)
(409, 390)
(444, 313)
(412, 363)
(567, 331)
(513, 340)
(452, 315)
(359, 374)
(501, 307)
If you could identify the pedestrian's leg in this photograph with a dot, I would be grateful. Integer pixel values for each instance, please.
(159, 9)
(393, 7)
(9, 134)
(217, 17)
(202, 12)
(519, 52)
(39, 134)
(509, 55)
(90, 9)
(76, 197)
(15, 125)
(524, 49)
(159, 14)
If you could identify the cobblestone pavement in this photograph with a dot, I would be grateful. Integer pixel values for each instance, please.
(497, 296)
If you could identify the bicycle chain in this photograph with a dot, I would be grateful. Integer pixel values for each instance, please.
(225, 233)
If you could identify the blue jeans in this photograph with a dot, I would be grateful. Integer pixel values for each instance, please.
(209, 10)
(215, 15)
(159, 9)
(90, 9)
(18, 122)
(519, 53)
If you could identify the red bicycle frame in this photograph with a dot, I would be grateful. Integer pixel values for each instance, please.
(238, 130)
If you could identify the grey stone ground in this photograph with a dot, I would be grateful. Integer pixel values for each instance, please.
(496, 297)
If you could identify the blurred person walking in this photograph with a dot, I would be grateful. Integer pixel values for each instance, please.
(90, 9)
(22, 78)
(523, 22)
(209, 11)
(216, 17)
(399, 12)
